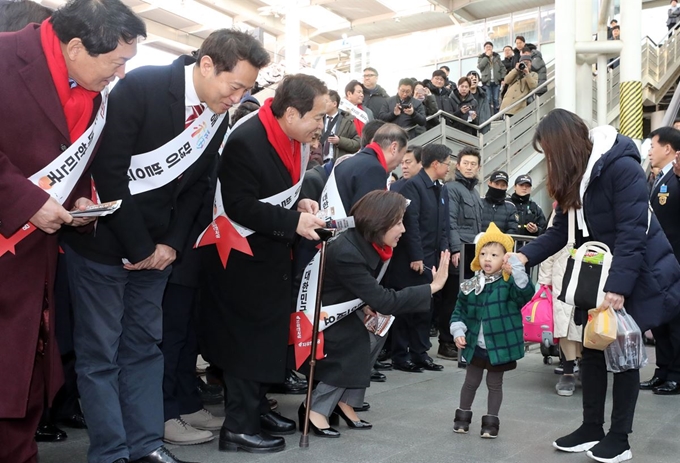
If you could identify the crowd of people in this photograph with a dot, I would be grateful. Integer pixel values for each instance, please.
(178, 214)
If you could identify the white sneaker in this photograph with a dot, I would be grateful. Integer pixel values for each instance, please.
(203, 419)
(178, 432)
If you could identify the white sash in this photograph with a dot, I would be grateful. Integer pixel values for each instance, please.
(157, 168)
(329, 314)
(60, 176)
(360, 114)
(330, 199)
(285, 199)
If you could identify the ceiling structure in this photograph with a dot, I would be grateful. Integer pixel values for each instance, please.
(181, 25)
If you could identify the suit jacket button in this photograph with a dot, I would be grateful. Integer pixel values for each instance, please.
(63, 147)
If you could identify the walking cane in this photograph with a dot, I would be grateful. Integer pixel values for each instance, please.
(325, 234)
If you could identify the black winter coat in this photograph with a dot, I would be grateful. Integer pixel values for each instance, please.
(465, 211)
(458, 103)
(644, 269)
(358, 175)
(403, 120)
(352, 267)
(374, 101)
(427, 231)
(666, 206)
(528, 212)
(245, 309)
(502, 213)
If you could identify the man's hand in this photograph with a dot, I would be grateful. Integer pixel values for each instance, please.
(307, 225)
(488, 53)
(163, 256)
(676, 164)
(397, 109)
(51, 216)
(308, 205)
(418, 266)
(408, 111)
(455, 259)
(334, 140)
(80, 205)
(532, 227)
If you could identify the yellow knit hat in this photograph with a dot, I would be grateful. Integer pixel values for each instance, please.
(492, 235)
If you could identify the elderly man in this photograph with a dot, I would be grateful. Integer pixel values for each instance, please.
(52, 75)
(246, 307)
(166, 126)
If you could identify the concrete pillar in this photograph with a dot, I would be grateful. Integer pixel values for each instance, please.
(631, 75)
(292, 39)
(565, 54)
(583, 75)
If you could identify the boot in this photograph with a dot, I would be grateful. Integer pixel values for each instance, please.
(490, 425)
(462, 420)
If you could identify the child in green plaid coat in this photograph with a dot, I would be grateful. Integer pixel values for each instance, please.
(487, 326)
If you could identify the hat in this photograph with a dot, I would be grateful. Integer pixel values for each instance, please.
(498, 175)
(525, 57)
(251, 99)
(523, 179)
(491, 235)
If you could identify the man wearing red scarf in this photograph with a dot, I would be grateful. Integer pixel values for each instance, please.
(246, 307)
(354, 92)
(51, 77)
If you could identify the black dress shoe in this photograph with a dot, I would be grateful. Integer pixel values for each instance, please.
(651, 384)
(273, 404)
(384, 355)
(361, 424)
(211, 394)
(364, 407)
(276, 425)
(434, 332)
(255, 443)
(325, 432)
(160, 455)
(292, 385)
(382, 366)
(377, 377)
(430, 365)
(50, 433)
(667, 388)
(76, 421)
(408, 366)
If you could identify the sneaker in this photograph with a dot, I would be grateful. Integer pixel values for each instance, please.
(614, 448)
(581, 440)
(178, 432)
(566, 385)
(204, 420)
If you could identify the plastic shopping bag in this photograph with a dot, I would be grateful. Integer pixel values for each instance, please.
(627, 352)
(600, 331)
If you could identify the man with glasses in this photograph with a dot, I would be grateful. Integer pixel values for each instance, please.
(427, 235)
(404, 110)
(374, 95)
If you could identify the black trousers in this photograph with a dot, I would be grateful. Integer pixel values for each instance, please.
(411, 337)
(180, 350)
(667, 338)
(625, 392)
(449, 297)
(244, 404)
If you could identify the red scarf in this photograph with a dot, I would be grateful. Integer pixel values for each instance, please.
(385, 251)
(287, 149)
(358, 124)
(77, 102)
(378, 154)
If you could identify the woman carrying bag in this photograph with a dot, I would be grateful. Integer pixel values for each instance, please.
(598, 175)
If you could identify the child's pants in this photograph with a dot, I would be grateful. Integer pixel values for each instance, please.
(494, 382)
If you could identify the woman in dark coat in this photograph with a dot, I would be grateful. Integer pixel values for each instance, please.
(465, 106)
(354, 261)
(609, 192)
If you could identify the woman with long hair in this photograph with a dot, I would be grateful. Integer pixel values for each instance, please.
(354, 261)
(597, 173)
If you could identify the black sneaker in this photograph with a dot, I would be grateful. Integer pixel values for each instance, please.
(613, 448)
(581, 440)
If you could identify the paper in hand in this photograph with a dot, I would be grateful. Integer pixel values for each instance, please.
(98, 210)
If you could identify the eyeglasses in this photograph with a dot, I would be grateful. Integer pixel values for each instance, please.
(447, 164)
(370, 75)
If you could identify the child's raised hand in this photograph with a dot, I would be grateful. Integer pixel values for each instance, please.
(507, 268)
(460, 342)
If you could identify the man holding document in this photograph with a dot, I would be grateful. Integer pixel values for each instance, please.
(53, 113)
(165, 126)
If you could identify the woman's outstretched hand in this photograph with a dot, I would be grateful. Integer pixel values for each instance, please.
(440, 275)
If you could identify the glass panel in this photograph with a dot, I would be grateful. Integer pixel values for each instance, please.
(473, 37)
(547, 25)
(498, 31)
(467, 65)
(526, 24)
(448, 39)
(548, 52)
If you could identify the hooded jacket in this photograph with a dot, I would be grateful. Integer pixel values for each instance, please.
(615, 209)
(487, 64)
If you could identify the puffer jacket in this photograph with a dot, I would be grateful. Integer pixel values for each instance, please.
(538, 66)
(551, 273)
(458, 103)
(465, 211)
(483, 107)
(502, 213)
(486, 65)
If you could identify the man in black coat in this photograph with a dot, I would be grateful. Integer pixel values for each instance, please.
(374, 95)
(665, 200)
(496, 207)
(404, 110)
(531, 220)
(427, 228)
(125, 265)
(246, 307)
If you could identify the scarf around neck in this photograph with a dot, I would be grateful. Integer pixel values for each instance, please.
(378, 154)
(288, 150)
(384, 251)
(77, 102)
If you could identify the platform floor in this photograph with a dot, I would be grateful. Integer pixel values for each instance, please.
(412, 416)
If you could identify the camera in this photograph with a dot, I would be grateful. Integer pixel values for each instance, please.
(522, 66)
(405, 106)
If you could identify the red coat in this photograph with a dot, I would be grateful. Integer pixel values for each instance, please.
(33, 132)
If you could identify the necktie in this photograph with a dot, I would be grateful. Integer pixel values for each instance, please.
(196, 111)
(657, 180)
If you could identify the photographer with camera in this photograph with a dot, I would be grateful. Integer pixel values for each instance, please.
(520, 82)
(404, 110)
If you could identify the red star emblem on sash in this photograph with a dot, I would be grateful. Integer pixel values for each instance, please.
(8, 244)
(222, 234)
